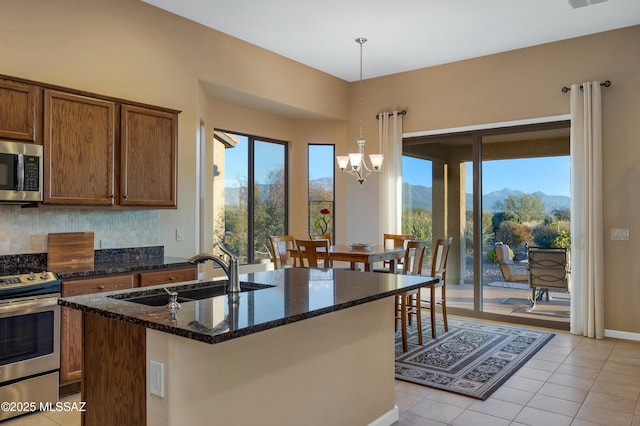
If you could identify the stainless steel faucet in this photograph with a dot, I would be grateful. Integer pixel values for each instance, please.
(231, 268)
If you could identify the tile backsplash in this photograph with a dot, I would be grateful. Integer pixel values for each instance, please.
(25, 230)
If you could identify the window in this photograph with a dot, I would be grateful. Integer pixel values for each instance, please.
(255, 194)
(321, 189)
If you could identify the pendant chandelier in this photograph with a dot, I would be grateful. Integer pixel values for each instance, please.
(359, 168)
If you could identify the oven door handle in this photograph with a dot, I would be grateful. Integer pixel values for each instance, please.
(27, 304)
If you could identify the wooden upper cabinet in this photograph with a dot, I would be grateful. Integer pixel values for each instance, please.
(98, 150)
(19, 111)
(79, 143)
(148, 167)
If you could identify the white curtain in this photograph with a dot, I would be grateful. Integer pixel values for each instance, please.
(587, 253)
(390, 137)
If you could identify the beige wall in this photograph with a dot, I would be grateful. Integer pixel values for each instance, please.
(527, 83)
(334, 369)
(128, 49)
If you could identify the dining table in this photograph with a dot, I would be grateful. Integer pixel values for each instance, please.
(368, 255)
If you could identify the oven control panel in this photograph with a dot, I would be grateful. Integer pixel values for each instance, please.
(27, 279)
(33, 283)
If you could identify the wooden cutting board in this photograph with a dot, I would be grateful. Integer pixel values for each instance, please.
(70, 250)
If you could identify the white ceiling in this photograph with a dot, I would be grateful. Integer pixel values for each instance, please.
(403, 34)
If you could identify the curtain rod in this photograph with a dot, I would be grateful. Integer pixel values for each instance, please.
(606, 83)
(403, 112)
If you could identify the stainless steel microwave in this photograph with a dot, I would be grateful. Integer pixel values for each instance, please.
(20, 172)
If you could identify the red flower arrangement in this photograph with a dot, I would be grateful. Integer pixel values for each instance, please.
(322, 222)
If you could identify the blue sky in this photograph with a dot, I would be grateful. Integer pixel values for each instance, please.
(550, 175)
(319, 157)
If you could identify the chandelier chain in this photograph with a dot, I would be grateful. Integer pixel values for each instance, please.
(361, 41)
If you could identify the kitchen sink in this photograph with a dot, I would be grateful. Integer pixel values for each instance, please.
(160, 297)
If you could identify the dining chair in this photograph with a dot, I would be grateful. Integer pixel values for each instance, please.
(282, 248)
(439, 270)
(408, 302)
(315, 252)
(394, 241)
(317, 237)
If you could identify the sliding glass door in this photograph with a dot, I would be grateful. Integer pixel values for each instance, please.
(508, 186)
(526, 199)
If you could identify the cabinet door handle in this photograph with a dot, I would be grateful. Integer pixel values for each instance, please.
(100, 287)
(171, 279)
(125, 197)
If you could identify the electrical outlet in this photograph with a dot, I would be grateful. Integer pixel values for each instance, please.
(179, 234)
(620, 234)
(156, 378)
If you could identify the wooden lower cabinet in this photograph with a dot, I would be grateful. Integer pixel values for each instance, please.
(114, 387)
(168, 276)
(71, 344)
(71, 324)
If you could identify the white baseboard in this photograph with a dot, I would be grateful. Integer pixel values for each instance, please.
(626, 335)
(388, 418)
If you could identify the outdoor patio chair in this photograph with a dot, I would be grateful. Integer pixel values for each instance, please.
(511, 272)
(548, 269)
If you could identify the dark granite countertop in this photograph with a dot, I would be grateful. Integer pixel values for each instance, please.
(108, 261)
(116, 266)
(295, 294)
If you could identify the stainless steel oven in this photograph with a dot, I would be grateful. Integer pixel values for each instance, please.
(29, 342)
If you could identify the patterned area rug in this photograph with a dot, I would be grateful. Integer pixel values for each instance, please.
(473, 358)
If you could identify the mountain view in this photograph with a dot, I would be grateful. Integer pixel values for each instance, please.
(420, 196)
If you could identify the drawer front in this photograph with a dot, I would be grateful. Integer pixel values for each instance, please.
(97, 285)
(167, 276)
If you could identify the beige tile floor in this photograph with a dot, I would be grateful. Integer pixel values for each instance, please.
(61, 418)
(571, 381)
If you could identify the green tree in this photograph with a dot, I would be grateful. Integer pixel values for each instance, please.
(500, 217)
(235, 224)
(513, 234)
(527, 207)
(318, 192)
(269, 211)
(418, 221)
(544, 235)
(562, 214)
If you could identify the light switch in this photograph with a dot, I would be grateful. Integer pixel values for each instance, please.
(156, 378)
(620, 234)
(179, 234)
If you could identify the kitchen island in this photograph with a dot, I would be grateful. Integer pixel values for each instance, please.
(314, 346)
